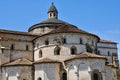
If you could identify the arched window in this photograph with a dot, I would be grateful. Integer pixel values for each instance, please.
(73, 50)
(108, 53)
(12, 47)
(95, 76)
(81, 41)
(39, 78)
(40, 53)
(46, 42)
(98, 52)
(50, 14)
(54, 14)
(64, 76)
(88, 48)
(57, 50)
(27, 47)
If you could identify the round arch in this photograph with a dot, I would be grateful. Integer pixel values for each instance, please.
(96, 75)
(57, 50)
(73, 50)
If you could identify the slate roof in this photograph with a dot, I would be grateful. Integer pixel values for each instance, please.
(86, 55)
(19, 62)
(47, 60)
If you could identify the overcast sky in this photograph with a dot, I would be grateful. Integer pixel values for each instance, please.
(100, 17)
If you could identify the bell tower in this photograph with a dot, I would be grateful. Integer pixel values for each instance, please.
(52, 12)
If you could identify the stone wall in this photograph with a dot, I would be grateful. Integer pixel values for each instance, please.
(47, 71)
(18, 73)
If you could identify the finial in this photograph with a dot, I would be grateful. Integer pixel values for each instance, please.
(52, 3)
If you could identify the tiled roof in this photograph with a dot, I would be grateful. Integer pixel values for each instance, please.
(16, 32)
(69, 29)
(47, 60)
(106, 41)
(19, 62)
(86, 55)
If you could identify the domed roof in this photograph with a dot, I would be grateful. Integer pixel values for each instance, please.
(58, 25)
(49, 23)
(67, 28)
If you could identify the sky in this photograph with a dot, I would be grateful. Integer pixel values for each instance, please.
(100, 17)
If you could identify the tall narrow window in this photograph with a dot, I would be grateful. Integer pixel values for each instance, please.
(64, 40)
(57, 50)
(88, 48)
(64, 76)
(98, 52)
(73, 50)
(95, 76)
(50, 14)
(81, 41)
(39, 78)
(108, 53)
(2, 50)
(54, 14)
(12, 47)
(40, 53)
(46, 42)
(27, 47)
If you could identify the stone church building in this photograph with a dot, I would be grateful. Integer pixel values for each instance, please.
(56, 50)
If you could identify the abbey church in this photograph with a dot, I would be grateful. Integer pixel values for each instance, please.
(56, 50)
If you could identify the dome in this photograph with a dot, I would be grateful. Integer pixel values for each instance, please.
(52, 22)
(49, 23)
(53, 25)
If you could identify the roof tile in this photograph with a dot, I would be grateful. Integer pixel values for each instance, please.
(19, 62)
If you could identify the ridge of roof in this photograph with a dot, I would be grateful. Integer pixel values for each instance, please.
(47, 60)
(85, 55)
(69, 29)
(16, 32)
(19, 62)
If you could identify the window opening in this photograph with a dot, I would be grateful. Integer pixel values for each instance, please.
(39, 78)
(95, 76)
(57, 51)
(81, 41)
(64, 76)
(73, 50)
(40, 53)
(64, 40)
(46, 42)
(108, 53)
(12, 47)
(27, 47)
(88, 48)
